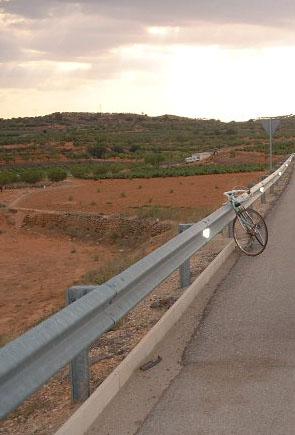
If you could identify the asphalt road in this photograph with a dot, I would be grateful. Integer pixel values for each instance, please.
(238, 375)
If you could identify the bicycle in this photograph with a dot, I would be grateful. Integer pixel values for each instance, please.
(249, 228)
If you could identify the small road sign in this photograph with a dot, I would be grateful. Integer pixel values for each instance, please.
(270, 125)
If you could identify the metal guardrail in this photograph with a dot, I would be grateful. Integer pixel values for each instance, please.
(30, 360)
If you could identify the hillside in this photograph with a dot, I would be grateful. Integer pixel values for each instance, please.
(76, 136)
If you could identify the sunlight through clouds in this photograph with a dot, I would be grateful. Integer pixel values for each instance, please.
(239, 84)
(230, 61)
(72, 66)
(163, 31)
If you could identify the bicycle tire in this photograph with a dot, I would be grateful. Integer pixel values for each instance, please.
(252, 247)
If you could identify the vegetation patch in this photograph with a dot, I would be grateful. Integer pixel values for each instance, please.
(172, 213)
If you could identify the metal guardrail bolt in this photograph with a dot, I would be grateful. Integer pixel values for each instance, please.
(185, 268)
(79, 366)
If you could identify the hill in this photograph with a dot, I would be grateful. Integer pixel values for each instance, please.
(75, 136)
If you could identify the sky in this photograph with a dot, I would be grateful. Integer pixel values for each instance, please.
(222, 59)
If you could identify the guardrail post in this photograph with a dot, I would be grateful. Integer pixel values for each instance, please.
(263, 198)
(79, 366)
(185, 268)
(230, 230)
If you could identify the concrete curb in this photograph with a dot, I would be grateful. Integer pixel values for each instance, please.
(88, 412)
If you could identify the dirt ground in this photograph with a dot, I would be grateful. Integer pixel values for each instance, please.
(232, 157)
(56, 262)
(127, 196)
(36, 270)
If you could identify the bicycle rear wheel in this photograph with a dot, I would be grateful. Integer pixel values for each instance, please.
(250, 232)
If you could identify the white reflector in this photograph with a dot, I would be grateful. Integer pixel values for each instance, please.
(206, 233)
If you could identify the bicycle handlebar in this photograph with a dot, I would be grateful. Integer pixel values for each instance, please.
(231, 193)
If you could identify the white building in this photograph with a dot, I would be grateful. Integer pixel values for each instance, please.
(198, 157)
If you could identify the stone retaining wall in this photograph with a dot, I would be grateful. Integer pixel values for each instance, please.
(113, 228)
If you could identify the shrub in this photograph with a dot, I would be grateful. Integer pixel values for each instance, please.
(97, 151)
(118, 149)
(80, 171)
(32, 176)
(7, 178)
(57, 174)
(154, 159)
(134, 148)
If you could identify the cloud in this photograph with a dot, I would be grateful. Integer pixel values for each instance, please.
(67, 44)
(33, 9)
(269, 12)
(74, 30)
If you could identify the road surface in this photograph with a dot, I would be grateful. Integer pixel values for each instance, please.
(235, 374)
(238, 374)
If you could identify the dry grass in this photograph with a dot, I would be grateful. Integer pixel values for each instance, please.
(175, 214)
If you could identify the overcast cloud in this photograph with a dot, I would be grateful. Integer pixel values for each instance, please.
(270, 12)
(67, 44)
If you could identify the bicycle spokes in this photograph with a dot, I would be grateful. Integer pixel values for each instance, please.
(250, 232)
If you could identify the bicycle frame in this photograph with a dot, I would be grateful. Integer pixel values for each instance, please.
(245, 218)
(239, 209)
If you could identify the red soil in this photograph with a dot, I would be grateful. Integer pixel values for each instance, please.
(125, 196)
(37, 269)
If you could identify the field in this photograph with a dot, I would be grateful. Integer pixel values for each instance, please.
(38, 267)
(133, 196)
(83, 196)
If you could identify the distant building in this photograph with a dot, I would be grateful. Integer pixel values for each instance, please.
(198, 157)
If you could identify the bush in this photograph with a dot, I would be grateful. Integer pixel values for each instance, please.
(118, 149)
(32, 176)
(7, 178)
(154, 159)
(80, 172)
(56, 174)
(97, 151)
(134, 148)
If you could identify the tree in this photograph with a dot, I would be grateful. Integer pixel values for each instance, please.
(154, 159)
(57, 174)
(97, 151)
(118, 149)
(134, 148)
(32, 176)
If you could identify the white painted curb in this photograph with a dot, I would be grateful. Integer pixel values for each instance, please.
(88, 412)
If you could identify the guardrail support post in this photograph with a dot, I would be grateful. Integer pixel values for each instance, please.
(185, 268)
(263, 198)
(230, 230)
(79, 366)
